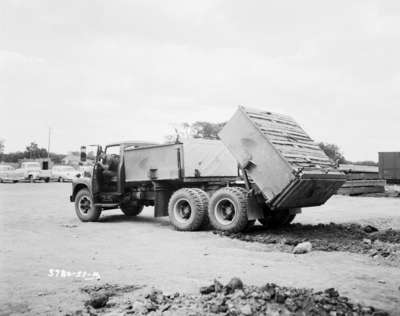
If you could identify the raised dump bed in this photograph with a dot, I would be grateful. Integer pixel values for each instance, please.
(285, 164)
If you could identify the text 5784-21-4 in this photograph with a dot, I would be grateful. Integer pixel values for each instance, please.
(61, 273)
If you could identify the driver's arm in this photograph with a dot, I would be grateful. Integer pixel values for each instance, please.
(102, 163)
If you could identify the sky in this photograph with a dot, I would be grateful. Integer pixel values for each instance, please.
(103, 71)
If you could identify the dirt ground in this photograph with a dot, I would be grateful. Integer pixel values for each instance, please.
(43, 247)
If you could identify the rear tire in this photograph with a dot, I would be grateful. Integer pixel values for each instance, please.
(132, 209)
(228, 210)
(85, 208)
(205, 198)
(187, 209)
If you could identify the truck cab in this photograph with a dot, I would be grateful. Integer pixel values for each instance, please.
(103, 187)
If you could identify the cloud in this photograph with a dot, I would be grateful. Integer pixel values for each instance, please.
(99, 71)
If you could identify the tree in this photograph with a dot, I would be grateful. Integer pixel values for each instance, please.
(13, 157)
(1, 149)
(57, 158)
(33, 151)
(199, 129)
(207, 130)
(333, 152)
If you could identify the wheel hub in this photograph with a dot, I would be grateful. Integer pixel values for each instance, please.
(182, 211)
(85, 204)
(225, 211)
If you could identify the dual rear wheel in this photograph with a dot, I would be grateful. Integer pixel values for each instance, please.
(190, 209)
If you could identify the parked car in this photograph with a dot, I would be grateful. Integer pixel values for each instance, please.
(7, 173)
(86, 170)
(64, 173)
(32, 171)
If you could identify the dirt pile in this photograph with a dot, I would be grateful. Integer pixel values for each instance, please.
(329, 237)
(232, 299)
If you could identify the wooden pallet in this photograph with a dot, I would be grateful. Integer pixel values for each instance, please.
(360, 190)
(357, 187)
(364, 183)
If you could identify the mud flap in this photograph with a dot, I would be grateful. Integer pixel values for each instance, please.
(254, 209)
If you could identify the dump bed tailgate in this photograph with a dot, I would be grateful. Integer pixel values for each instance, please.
(308, 189)
(286, 165)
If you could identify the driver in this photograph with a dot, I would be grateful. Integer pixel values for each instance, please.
(109, 167)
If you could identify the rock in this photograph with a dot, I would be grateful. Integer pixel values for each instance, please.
(369, 229)
(367, 241)
(290, 304)
(97, 300)
(218, 286)
(303, 247)
(139, 308)
(155, 296)
(246, 310)
(207, 289)
(150, 306)
(332, 292)
(218, 308)
(366, 310)
(237, 294)
(234, 284)
(280, 297)
(165, 307)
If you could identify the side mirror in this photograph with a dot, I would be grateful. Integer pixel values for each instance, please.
(83, 153)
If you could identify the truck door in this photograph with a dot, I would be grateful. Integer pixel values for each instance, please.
(109, 179)
(96, 177)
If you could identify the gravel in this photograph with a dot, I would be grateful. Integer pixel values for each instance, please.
(233, 299)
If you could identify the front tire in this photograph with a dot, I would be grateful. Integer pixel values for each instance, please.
(85, 208)
(227, 210)
(187, 209)
(132, 209)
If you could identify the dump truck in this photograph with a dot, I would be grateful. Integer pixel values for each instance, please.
(264, 167)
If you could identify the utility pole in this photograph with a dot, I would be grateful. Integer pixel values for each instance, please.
(48, 144)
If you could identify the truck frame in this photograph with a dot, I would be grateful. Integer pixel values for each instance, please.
(265, 168)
